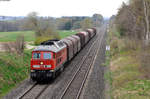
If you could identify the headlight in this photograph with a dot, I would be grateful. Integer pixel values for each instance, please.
(48, 66)
(36, 66)
(41, 63)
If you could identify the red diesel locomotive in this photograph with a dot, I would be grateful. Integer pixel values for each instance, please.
(50, 56)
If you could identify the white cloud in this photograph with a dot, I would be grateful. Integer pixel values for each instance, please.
(59, 8)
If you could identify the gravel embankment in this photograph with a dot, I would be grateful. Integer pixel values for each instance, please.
(25, 85)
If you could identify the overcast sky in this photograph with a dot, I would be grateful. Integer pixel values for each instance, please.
(58, 8)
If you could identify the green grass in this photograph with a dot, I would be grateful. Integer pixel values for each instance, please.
(13, 69)
(107, 60)
(29, 35)
(65, 33)
(11, 36)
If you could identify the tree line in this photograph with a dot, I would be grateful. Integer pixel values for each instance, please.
(63, 23)
(133, 20)
(45, 28)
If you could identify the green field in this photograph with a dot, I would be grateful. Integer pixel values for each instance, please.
(29, 35)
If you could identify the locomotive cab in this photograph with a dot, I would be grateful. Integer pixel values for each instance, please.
(42, 60)
(46, 59)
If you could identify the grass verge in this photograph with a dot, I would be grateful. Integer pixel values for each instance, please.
(13, 69)
(127, 79)
(128, 70)
(108, 73)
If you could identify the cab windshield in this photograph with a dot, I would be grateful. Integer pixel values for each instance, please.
(42, 55)
(47, 55)
(36, 55)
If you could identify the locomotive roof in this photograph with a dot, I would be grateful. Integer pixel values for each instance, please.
(55, 47)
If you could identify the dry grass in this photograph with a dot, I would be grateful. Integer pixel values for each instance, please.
(120, 45)
(144, 58)
(130, 69)
(15, 47)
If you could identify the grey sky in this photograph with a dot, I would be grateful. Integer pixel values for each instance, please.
(57, 8)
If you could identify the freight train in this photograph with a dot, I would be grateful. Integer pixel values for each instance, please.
(50, 56)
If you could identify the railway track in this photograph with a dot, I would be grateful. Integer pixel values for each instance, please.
(27, 91)
(76, 84)
(33, 92)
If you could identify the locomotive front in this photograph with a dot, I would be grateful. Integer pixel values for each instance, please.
(44, 62)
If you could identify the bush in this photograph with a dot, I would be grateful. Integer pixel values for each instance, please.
(119, 45)
(132, 44)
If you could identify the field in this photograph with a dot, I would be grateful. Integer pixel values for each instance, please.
(29, 35)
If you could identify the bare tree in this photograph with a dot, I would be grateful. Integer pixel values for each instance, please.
(43, 27)
(19, 45)
(146, 14)
(15, 47)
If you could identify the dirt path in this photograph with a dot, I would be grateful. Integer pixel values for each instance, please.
(27, 45)
(2, 47)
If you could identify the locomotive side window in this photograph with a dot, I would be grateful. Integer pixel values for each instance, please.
(59, 60)
(47, 56)
(36, 55)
